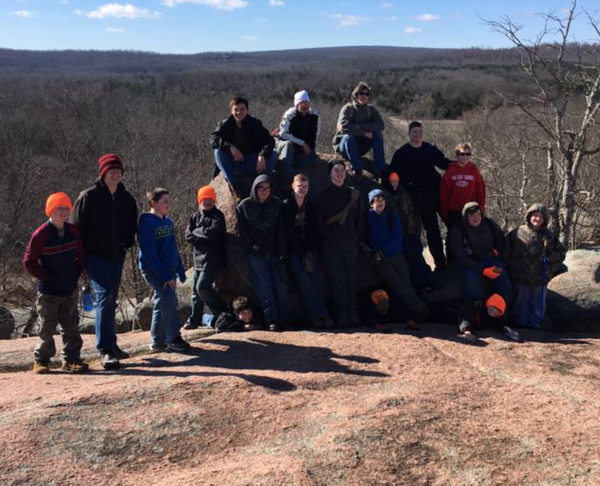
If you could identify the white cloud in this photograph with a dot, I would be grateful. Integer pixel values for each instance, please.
(276, 3)
(249, 38)
(393, 18)
(348, 20)
(427, 17)
(411, 30)
(119, 11)
(115, 30)
(25, 14)
(387, 5)
(228, 5)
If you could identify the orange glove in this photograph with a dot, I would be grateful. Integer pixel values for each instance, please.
(492, 272)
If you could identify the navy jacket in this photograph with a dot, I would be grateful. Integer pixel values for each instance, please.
(206, 231)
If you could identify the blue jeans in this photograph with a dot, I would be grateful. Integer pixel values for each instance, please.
(292, 155)
(529, 306)
(474, 281)
(232, 170)
(105, 276)
(353, 148)
(204, 294)
(309, 287)
(166, 326)
(270, 287)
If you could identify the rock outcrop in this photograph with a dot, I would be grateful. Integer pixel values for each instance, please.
(7, 323)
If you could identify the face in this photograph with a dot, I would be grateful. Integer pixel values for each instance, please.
(239, 111)
(378, 204)
(416, 135)
(536, 219)
(338, 174)
(382, 307)
(113, 176)
(60, 215)
(245, 316)
(162, 206)
(363, 96)
(494, 312)
(263, 191)
(394, 183)
(474, 219)
(303, 107)
(207, 204)
(300, 188)
(463, 157)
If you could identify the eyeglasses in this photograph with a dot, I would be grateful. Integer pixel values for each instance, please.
(364, 93)
(464, 154)
(264, 188)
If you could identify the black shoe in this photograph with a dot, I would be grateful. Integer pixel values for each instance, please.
(158, 347)
(120, 354)
(108, 360)
(189, 326)
(273, 327)
(178, 345)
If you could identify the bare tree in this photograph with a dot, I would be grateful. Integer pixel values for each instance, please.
(563, 101)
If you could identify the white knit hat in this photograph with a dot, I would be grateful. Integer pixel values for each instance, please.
(301, 96)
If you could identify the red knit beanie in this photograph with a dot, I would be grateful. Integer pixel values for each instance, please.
(109, 161)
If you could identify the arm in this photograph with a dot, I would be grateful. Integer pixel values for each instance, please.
(345, 126)
(147, 244)
(243, 228)
(219, 138)
(132, 224)
(457, 246)
(439, 159)
(444, 197)
(376, 124)
(31, 259)
(480, 198)
(284, 127)
(205, 234)
(267, 141)
(80, 253)
(80, 214)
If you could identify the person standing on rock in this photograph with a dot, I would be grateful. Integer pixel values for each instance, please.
(415, 163)
(360, 129)
(243, 146)
(301, 226)
(106, 217)
(341, 215)
(298, 135)
(54, 257)
(261, 233)
(534, 257)
(206, 233)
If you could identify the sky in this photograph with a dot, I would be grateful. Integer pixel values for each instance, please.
(192, 26)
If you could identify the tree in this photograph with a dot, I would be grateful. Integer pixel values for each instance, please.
(563, 101)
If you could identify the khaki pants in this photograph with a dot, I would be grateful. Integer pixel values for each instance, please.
(52, 311)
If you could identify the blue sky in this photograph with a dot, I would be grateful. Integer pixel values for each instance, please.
(190, 26)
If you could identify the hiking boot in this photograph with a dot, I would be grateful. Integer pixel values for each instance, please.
(109, 360)
(120, 354)
(158, 347)
(189, 326)
(41, 368)
(359, 178)
(412, 325)
(328, 322)
(274, 327)
(512, 334)
(317, 323)
(75, 366)
(178, 345)
(381, 328)
(353, 322)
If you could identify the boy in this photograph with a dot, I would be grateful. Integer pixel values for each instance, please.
(259, 226)
(160, 264)
(243, 146)
(462, 183)
(55, 257)
(534, 257)
(245, 315)
(475, 314)
(206, 233)
(384, 249)
(380, 311)
(301, 226)
(359, 129)
(298, 135)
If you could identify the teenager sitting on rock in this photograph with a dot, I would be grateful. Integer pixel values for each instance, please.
(243, 146)
(476, 314)
(341, 216)
(534, 256)
(298, 135)
(359, 129)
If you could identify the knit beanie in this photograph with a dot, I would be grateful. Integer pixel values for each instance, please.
(496, 301)
(394, 177)
(206, 192)
(332, 163)
(109, 161)
(374, 193)
(301, 96)
(379, 297)
(56, 200)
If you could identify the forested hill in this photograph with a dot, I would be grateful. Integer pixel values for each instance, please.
(75, 62)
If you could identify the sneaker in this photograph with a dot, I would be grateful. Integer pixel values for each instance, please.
(353, 322)
(189, 326)
(274, 327)
(178, 345)
(120, 354)
(109, 360)
(328, 322)
(41, 368)
(76, 366)
(158, 347)
(512, 334)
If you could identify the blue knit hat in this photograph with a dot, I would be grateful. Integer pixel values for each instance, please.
(373, 193)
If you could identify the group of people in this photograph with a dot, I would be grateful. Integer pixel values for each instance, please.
(504, 277)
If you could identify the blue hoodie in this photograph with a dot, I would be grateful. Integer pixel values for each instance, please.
(158, 248)
(381, 237)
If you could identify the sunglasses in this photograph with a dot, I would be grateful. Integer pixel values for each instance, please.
(465, 154)
(364, 93)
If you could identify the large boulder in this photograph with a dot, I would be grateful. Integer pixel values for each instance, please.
(7, 323)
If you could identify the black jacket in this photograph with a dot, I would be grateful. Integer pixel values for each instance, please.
(301, 227)
(416, 166)
(258, 137)
(206, 232)
(331, 201)
(107, 222)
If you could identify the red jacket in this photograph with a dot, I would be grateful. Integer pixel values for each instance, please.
(461, 185)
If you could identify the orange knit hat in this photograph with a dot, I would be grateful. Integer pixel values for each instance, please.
(496, 301)
(206, 192)
(394, 177)
(379, 297)
(56, 200)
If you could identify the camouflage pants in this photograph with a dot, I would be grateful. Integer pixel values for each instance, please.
(52, 311)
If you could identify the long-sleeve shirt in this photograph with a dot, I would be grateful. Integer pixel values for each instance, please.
(416, 166)
(461, 185)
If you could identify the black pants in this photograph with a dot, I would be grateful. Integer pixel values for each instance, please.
(427, 203)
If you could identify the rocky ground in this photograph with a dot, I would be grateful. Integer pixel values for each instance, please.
(308, 408)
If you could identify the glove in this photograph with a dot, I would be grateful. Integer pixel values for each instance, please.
(492, 272)
(308, 262)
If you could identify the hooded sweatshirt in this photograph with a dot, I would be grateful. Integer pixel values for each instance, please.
(527, 248)
(383, 236)
(259, 224)
(461, 185)
(158, 251)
